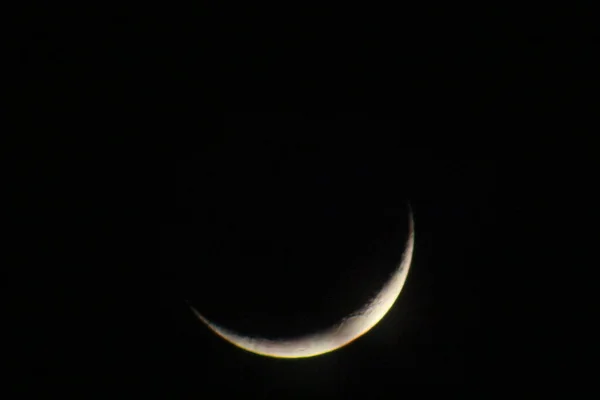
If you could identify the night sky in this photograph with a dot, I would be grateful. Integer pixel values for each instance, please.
(167, 160)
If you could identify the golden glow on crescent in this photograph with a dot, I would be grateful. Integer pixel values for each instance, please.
(346, 331)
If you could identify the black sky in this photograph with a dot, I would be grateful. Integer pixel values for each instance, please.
(263, 175)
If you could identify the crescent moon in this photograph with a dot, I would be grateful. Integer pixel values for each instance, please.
(347, 330)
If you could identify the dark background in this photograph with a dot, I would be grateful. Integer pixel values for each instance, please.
(169, 156)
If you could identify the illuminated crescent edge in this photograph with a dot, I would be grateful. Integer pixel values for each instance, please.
(347, 330)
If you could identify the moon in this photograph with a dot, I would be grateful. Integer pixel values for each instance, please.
(347, 330)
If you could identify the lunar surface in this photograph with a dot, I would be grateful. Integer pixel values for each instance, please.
(347, 330)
